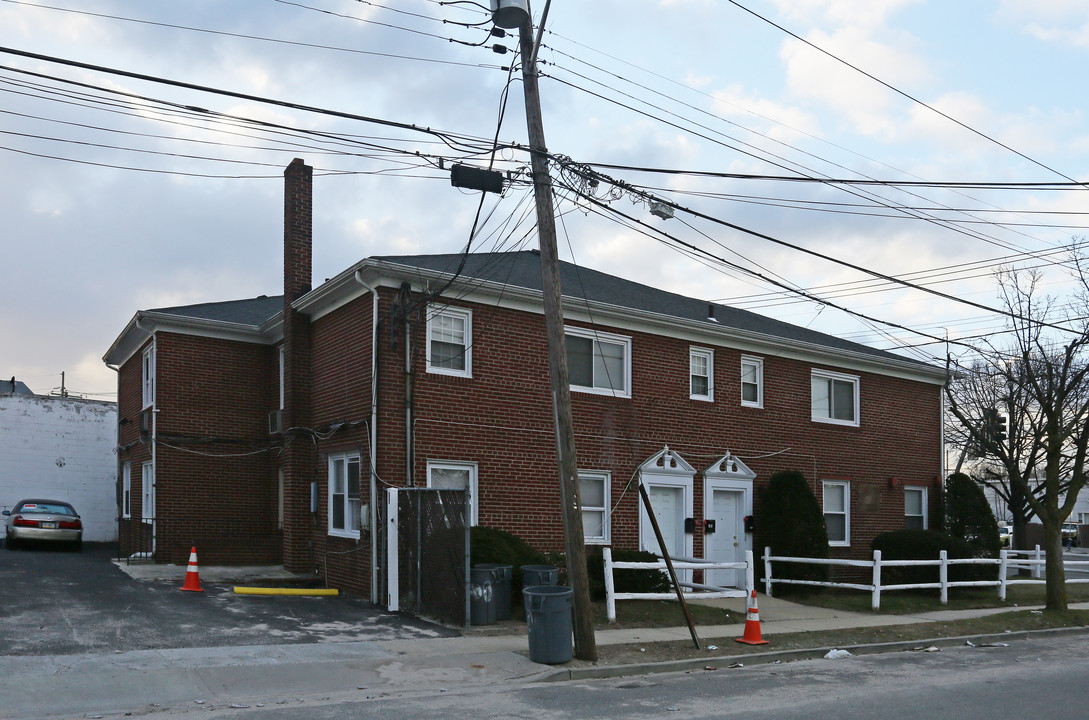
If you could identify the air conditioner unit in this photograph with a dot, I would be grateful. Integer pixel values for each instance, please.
(145, 421)
(275, 422)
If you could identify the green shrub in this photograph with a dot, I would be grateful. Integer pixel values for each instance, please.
(789, 520)
(492, 545)
(626, 580)
(969, 516)
(927, 545)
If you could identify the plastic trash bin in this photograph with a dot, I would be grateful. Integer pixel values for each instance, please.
(481, 597)
(501, 587)
(549, 618)
(539, 575)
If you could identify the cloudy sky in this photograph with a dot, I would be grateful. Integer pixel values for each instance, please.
(119, 194)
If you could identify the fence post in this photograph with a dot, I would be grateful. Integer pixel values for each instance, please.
(1037, 568)
(610, 588)
(767, 571)
(943, 575)
(875, 601)
(750, 576)
(1003, 559)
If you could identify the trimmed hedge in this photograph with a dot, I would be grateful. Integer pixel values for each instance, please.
(790, 521)
(969, 516)
(492, 545)
(625, 581)
(927, 545)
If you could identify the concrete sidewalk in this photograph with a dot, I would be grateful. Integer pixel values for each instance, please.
(271, 675)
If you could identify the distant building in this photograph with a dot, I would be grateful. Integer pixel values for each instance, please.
(62, 449)
(14, 387)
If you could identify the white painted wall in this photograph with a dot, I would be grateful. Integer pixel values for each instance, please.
(61, 449)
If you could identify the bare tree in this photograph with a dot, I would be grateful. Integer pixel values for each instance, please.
(1039, 382)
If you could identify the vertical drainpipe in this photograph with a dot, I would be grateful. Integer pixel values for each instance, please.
(373, 431)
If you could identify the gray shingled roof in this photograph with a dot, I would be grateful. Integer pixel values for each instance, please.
(253, 311)
(523, 269)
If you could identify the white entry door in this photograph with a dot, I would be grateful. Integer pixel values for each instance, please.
(726, 543)
(668, 504)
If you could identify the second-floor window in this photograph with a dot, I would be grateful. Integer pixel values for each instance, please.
(835, 398)
(450, 341)
(752, 382)
(701, 373)
(148, 376)
(599, 362)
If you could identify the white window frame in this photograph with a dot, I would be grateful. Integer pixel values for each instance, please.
(466, 316)
(147, 375)
(147, 492)
(604, 537)
(846, 512)
(758, 365)
(126, 489)
(351, 518)
(922, 490)
(830, 377)
(471, 468)
(597, 338)
(707, 356)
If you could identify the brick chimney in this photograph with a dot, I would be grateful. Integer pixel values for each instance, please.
(298, 229)
(299, 457)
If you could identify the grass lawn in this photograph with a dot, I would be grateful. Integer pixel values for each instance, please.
(906, 602)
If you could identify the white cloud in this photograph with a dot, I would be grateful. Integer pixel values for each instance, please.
(857, 13)
(867, 106)
(1064, 22)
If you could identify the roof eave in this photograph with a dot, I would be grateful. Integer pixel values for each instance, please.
(344, 288)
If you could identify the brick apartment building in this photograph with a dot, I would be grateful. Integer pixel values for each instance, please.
(265, 430)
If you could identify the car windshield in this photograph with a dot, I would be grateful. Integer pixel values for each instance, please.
(40, 507)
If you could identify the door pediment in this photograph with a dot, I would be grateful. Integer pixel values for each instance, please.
(729, 467)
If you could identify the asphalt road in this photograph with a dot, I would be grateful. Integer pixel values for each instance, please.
(55, 602)
(1040, 676)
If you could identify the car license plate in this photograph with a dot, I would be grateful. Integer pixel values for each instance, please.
(48, 525)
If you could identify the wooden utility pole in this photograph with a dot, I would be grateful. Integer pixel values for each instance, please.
(585, 643)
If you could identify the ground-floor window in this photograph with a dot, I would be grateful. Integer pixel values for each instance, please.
(344, 500)
(837, 512)
(455, 475)
(594, 494)
(126, 490)
(915, 508)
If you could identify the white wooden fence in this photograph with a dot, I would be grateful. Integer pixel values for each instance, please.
(1031, 560)
(703, 592)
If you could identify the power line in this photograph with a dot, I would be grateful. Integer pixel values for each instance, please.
(902, 93)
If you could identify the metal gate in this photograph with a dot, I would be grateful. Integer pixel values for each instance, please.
(427, 553)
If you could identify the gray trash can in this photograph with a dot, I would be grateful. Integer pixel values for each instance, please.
(549, 618)
(539, 575)
(502, 587)
(481, 597)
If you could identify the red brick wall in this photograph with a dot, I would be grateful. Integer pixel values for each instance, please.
(215, 483)
(501, 418)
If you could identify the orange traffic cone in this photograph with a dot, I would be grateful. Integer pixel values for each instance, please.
(192, 576)
(752, 625)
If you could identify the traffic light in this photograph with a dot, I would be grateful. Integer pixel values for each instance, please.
(1000, 427)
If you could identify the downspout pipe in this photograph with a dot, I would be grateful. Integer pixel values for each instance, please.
(373, 435)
